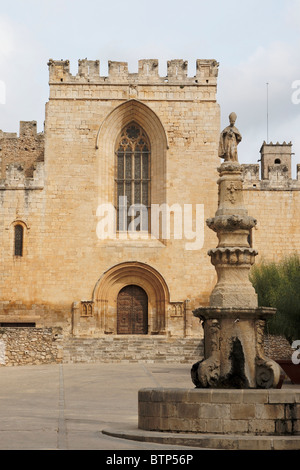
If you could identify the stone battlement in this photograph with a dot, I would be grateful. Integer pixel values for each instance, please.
(277, 178)
(275, 169)
(21, 156)
(16, 177)
(177, 72)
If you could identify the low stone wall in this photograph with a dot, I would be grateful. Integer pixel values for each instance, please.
(32, 345)
(243, 412)
(23, 346)
(277, 347)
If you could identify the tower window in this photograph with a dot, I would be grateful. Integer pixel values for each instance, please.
(133, 179)
(277, 161)
(19, 235)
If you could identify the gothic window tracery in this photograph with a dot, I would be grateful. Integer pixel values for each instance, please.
(133, 179)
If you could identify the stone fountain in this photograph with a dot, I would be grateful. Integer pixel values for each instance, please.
(235, 403)
(233, 323)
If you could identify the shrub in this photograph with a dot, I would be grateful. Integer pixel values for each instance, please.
(278, 285)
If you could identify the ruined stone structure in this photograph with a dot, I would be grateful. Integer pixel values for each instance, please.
(147, 140)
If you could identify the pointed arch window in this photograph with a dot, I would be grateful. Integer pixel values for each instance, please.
(133, 179)
(19, 239)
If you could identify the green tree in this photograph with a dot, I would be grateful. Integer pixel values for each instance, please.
(278, 285)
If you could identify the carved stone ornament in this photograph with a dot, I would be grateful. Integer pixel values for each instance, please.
(229, 256)
(231, 192)
(206, 373)
(231, 223)
(267, 370)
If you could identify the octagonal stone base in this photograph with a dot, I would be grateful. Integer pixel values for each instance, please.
(221, 412)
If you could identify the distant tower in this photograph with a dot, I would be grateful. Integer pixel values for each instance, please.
(275, 154)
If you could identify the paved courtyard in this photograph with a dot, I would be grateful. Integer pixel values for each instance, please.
(67, 406)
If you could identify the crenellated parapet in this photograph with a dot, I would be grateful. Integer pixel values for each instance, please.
(277, 178)
(16, 178)
(275, 171)
(25, 151)
(148, 72)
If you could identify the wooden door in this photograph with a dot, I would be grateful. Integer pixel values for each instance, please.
(132, 311)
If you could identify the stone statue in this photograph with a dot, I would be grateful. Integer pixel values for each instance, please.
(229, 140)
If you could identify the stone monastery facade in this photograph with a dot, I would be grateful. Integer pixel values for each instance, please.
(103, 214)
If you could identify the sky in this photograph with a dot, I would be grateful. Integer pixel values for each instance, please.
(257, 44)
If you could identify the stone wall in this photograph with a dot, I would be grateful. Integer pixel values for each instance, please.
(63, 257)
(277, 347)
(240, 412)
(53, 184)
(23, 346)
(278, 219)
(31, 345)
(274, 202)
(24, 150)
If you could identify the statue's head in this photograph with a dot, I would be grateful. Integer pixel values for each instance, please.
(232, 118)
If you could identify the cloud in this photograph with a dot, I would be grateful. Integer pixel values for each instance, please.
(263, 110)
(292, 14)
(2, 92)
(20, 72)
(6, 38)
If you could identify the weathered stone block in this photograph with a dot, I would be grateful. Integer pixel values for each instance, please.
(261, 426)
(282, 396)
(255, 396)
(187, 410)
(242, 411)
(247, 443)
(215, 425)
(168, 409)
(199, 396)
(199, 425)
(231, 426)
(268, 411)
(227, 396)
(215, 411)
(286, 444)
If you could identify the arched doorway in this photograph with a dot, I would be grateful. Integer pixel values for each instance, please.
(110, 284)
(132, 311)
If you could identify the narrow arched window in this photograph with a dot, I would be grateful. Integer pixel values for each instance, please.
(133, 179)
(19, 236)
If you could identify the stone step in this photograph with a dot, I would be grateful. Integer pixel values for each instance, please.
(133, 349)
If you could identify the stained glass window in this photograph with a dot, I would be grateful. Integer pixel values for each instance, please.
(133, 179)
